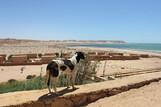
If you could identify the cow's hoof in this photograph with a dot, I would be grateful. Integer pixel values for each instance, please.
(68, 87)
(74, 88)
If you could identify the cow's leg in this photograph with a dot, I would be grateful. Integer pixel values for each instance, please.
(49, 86)
(68, 80)
(54, 82)
(48, 80)
(73, 79)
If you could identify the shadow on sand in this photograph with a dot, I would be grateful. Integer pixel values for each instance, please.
(52, 95)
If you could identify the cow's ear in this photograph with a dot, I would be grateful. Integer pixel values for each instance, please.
(76, 52)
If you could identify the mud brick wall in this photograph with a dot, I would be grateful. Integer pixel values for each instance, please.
(91, 53)
(49, 54)
(46, 59)
(4, 55)
(66, 55)
(112, 54)
(100, 53)
(114, 57)
(144, 56)
(18, 59)
(104, 57)
(2, 59)
(119, 57)
(31, 55)
(93, 57)
(99, 57)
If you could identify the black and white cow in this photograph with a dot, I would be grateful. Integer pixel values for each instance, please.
(68, 67)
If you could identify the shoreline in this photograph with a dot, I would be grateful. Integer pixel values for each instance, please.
(133, 51)
(143, 47)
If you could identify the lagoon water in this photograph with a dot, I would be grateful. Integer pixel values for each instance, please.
(153, 47)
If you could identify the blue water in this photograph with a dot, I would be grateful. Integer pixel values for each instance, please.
(153, 47)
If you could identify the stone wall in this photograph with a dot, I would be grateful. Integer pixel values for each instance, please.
(119, 57)
(114, 57)
(2, 59)
(112, 54)
(29, 59)
(101, 53)
(18, 59)
(32, 55)
(91, 53)
(46, 59)
(144, 56)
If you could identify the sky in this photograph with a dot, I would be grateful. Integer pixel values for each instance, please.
(136, 21)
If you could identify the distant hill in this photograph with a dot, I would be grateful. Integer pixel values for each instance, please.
(14, 41)
(8, 41)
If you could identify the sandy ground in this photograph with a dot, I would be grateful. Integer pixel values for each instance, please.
(16, 72)
(147, 96)
(119, 66)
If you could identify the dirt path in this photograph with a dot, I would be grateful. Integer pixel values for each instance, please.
(147, 96)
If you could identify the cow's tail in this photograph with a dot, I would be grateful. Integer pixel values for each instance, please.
(48, 72)
(48, 78)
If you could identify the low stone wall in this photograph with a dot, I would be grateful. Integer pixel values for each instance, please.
(104, 53)
(18, 59)
(46, 59)
(114, 57)
(4, 55)
(112, 54)
(48, 54)
(101, 53)
(82, 99)
(32, 55)
(2, 59)
(144, 56)
(91, 53)
(118, 57)
(98, 57)
(25, 59)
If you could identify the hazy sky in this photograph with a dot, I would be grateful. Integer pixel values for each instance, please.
(129, 20)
